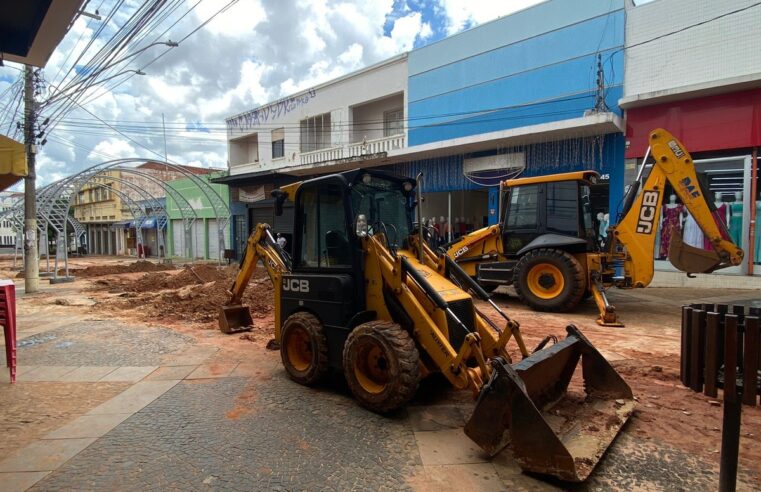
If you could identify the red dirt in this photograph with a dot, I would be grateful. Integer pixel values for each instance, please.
(193, 294)
(101, 270)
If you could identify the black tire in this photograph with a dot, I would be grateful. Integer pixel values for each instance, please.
(549, 280)
(381, 365)
(304, 348)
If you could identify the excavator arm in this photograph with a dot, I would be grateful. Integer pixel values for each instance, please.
(261, 245)
(637, 231)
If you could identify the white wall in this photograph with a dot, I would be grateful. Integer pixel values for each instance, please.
(368, 118)
(720, 52)
(335, 97)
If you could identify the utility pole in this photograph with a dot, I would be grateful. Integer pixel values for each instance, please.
(166, 158)
(31, 257)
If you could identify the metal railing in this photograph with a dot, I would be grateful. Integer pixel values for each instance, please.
(376, 146)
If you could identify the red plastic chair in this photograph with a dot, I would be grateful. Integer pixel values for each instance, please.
(8, 320)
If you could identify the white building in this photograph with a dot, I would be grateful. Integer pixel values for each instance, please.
(7, 232)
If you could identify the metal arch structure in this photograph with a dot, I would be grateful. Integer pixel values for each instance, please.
(54, 201)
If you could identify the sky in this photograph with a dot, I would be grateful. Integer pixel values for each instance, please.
(255, 52)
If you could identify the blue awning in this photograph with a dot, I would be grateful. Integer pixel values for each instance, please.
(149, 223)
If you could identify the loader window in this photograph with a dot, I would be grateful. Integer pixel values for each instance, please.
(523, 212)
(324, 238)
(385, 207)
(563, 208)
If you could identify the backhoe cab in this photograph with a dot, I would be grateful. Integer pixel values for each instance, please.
(365, 295)
(546, 249)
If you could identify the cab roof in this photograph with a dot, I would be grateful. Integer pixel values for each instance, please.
(591, 176)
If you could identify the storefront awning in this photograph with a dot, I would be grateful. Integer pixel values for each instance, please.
(12, 162)
(584, 126)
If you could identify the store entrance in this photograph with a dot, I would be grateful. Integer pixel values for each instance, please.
(726, 183)
(455, 213)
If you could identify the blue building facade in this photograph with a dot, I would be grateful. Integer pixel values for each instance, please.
(536, 68)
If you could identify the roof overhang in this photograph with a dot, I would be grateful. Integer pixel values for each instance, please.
(705, 89)
(12, 162)
(31, 29)
(585, 126)
(255, 178)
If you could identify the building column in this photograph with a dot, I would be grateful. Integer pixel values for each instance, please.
(108, 239)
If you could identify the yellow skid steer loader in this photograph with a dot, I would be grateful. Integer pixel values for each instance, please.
(364, 294)
(546, 245)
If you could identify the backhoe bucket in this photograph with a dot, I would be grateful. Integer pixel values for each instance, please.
(690, 259)
(550, 431)
(234, 319)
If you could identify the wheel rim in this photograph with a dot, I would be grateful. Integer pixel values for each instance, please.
(298, 348)
(545, 281)
(371, 367)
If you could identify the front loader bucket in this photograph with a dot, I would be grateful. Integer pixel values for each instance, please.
(234, 319)
(690, 259)
(552, 433)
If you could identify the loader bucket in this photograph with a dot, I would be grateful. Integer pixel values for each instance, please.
(234, 319)
(690, 259)
(550, 432)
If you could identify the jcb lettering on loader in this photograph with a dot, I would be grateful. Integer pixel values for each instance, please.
(296, 285)
(396, 312)
(647, 212)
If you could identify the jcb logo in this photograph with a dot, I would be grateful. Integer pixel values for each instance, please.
(296, 285)
(647, 212)
(460, 252)
(676, 149)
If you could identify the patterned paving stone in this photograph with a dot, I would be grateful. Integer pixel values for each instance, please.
(101, 343)
(240, 434)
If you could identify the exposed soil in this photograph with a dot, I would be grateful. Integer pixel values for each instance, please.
(101, 270)
(193, 294)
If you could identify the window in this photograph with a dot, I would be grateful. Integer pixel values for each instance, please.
(563, 208)
(324, 238)
(278, 143)
(523, 212)
(315, 133)
(393, 122)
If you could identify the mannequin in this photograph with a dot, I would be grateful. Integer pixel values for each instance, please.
(720, 215)
(672, 222)
(736, 218)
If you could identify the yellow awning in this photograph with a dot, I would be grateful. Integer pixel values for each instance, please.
(12, 162)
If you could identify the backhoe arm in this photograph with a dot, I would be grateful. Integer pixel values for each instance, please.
(235, 317)
(637, 231)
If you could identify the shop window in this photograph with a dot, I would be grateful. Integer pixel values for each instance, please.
(324, 238)
(563, 208)
(278, 143)
(315, 133)
(523, 210)
(393, 122)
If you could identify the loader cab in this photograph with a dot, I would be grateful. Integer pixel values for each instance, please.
(549, 211)
(327, 277)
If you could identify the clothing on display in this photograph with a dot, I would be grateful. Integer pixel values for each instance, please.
(757, 249)
(692, 234)
(720, 217)
(671, 223)
(736, 222)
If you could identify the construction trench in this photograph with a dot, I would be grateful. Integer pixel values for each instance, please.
(185, 299)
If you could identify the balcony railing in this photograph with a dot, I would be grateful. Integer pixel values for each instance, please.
(376, 146)
(358, 149)
(322, 155)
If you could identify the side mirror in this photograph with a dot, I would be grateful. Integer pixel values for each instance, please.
(361, 225)
(280, 197)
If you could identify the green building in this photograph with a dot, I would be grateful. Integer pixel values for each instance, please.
(200, 240)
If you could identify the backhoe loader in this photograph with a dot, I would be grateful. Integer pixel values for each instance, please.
(545, 246)
(363, 294)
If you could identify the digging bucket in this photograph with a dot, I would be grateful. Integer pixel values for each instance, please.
(690, 259)
(551, 431)
(234, 319)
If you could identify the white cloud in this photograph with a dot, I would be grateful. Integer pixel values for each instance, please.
(257, 51)
(462, 13)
